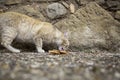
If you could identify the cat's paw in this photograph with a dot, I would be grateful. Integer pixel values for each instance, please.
(16, 51)
(41, 51)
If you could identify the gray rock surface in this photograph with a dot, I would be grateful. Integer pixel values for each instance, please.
(113, 4)
(100, 1)
(10, 2)
(43, 0)
(117, 15)
(83, 2)
(73, 66)
(29, 10)
(55, 10)
(91, 27)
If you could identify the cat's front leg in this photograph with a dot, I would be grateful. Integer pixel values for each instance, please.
(38, 42)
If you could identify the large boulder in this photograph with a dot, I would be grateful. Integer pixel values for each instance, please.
(91, 27)
(55, 10)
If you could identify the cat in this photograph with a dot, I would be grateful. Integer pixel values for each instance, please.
(17, 26)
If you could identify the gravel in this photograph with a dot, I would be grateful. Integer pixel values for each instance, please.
(71, 66)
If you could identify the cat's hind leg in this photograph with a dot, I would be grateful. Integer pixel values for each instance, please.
(7, 37)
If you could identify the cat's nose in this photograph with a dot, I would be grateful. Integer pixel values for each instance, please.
(61, 48)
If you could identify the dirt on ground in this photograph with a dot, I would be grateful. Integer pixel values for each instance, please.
(71, 66)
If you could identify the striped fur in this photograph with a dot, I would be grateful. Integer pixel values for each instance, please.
(24, 28)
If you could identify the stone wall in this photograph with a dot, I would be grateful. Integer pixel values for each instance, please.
(89, 23)
(112, 6)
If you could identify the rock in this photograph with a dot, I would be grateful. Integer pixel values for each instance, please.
(1, 1)
(30, 11)
(1, 10)
(72, 5)
(87, 1)
(91, 27)
(55, 10)
(65, 4)
(113, 5)
(84, 1)
(117, 15)
(72, 8)
(10, 2)
(43, 0)
(100, 1)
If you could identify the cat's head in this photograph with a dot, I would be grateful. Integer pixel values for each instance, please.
(63, 42)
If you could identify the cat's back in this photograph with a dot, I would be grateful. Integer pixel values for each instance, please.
(13, 19)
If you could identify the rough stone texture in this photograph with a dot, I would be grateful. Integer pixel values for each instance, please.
(10, 2)
(91, 27)
(29, 10)
(113, 4)
(43, 0)
(117, 15)
(74, 66)
(1, 10)
(82, 2)
(100, 1)
(55, 10)
(1, 1)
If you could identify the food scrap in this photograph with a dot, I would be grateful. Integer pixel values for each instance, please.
(57, 52)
